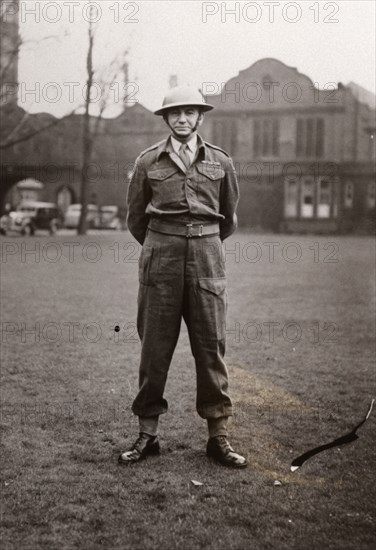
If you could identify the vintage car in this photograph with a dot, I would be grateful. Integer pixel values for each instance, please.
(108, 218)
(73, 213)
(31, 216)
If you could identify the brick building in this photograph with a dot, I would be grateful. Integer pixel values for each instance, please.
(305, 156)
(54, 156)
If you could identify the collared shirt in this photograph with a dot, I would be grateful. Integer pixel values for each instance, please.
(162, 186)
(191, 146)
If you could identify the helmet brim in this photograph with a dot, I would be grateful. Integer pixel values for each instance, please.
(204, 107)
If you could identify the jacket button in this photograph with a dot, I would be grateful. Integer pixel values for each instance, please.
(188, 180)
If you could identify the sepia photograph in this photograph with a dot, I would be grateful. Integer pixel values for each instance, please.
(187, 274)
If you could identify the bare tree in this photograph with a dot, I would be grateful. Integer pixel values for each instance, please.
(87, 138)
(90, 132)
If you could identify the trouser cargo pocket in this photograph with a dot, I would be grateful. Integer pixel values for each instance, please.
(211, 307)
(145, 265)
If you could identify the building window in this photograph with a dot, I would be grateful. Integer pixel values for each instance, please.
(311, 198)
(266, 138)
(61, 143)
(349, 194)
(225, 135)
(291, 199)
(371, 195)
(310, 137)
(324, 198)
(307, 197)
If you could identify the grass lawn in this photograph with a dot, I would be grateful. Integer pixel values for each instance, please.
(300, 351)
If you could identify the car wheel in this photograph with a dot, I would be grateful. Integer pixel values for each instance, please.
(53, 227)
(116, 224)
(27, 231)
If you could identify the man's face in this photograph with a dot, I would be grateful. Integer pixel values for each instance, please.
(184, 121)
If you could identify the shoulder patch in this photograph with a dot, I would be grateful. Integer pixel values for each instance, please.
(217, 148)
(155, 146)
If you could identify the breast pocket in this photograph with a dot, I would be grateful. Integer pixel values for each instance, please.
(209, 184)
(166, 186)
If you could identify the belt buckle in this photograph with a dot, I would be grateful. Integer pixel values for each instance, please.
(190, 230)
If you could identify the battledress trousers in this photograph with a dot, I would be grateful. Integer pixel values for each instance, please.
(182, 276)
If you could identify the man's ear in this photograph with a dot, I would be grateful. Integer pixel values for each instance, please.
(165, 118)
(200, 119)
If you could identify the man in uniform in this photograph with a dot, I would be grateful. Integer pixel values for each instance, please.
(182, 199)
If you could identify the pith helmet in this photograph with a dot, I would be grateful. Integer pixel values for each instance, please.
(181, 96)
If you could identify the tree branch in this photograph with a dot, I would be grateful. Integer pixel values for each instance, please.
(33, 133)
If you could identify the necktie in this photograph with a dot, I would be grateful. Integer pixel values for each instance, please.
(183, 153)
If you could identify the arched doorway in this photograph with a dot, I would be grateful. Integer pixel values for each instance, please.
(65, 197)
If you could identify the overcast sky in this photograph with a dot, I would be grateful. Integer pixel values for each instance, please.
(198, 41)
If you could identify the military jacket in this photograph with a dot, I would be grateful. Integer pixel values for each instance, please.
(161, 186)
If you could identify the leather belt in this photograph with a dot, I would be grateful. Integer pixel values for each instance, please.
(188, 230)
